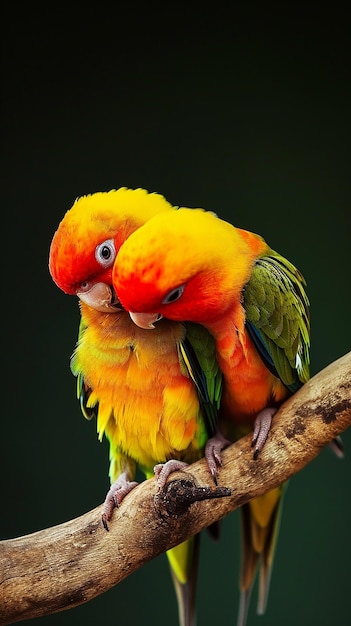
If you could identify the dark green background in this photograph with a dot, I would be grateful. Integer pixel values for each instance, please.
(244, 112)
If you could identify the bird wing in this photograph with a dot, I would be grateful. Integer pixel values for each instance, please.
(277, 318)
(197, 354)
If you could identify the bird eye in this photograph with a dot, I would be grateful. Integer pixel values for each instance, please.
(105, 253)
(173, 295)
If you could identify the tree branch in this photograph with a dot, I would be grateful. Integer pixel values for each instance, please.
(63, 566)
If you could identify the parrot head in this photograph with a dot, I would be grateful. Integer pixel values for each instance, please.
(187, 265)
(87, 240)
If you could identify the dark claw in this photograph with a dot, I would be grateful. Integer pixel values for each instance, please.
(104, 522)
(337, 446)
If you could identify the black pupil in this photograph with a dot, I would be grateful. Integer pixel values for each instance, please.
(106, 252)
(173, 296)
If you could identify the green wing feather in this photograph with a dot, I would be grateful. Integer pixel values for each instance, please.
(277, 312)
(277, 318)
(83, 391)
(197, 355)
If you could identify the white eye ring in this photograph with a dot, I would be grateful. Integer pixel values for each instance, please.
(105, 253)
(173, 295)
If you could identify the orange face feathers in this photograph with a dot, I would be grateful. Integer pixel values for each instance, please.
(185, 265)
(77, 252)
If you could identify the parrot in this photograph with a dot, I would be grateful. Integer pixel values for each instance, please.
(155, 399)
(193, 266)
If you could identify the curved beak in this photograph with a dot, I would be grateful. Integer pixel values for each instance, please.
(100, 297)
(145, 320)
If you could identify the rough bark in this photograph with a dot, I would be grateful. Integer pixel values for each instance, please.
(63, 566)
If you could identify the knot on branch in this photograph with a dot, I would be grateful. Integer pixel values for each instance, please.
(178, 495)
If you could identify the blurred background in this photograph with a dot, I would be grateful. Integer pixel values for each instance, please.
(243, 111)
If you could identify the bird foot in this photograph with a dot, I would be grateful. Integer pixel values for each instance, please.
(214, 447)
(164, 470)
(117, 492)
(262, 427)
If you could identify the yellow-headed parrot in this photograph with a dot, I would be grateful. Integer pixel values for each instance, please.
(191, 265)
(153, 398)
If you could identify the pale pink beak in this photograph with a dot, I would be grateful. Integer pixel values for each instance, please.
(145, 320)
(100, 297)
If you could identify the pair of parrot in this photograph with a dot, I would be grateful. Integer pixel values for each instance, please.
(192, 333)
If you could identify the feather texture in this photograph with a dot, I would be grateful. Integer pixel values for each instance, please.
(191, 266)
(151, 396)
